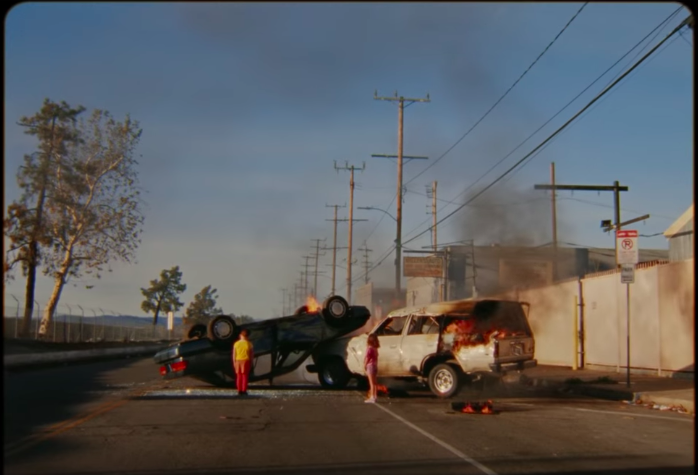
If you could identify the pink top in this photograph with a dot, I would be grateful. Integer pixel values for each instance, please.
(371, 356)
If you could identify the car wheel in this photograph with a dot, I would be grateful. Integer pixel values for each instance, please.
(335, 309)
(222, 330)
(333, 374)
(444, 381)
(197, 330)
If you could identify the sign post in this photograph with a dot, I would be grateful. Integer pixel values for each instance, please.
(627, 255)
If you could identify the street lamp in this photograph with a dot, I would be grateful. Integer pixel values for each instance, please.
(378, 209)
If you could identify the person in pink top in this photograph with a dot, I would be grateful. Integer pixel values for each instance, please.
(371, 367)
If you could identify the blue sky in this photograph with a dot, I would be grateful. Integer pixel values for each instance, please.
(245, 107)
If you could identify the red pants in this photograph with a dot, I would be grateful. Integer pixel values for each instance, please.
(242, 372)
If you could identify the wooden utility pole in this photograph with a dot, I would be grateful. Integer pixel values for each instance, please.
(306, 266)
(351, 220)
(334, 246)
(296, 293)
(398, 241)
(317, 258)
(366, 263)
(431, 193)
(554, 214)
(616, 189)
(283, 301)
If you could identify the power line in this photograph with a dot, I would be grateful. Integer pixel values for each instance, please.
(556, 114)
(389, 251)
(561, 128)
(568, 104)
(500, 99)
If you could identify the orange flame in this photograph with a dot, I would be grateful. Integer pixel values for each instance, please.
(478, 408)
(312, 304)
(381, 389)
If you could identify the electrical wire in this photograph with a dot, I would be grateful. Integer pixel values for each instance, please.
(392, 248)
(500, 99)
(569, 103)
(560, 129)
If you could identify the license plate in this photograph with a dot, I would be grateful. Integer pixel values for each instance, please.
(517, 348)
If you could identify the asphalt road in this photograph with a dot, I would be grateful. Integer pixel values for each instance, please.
(118, 417)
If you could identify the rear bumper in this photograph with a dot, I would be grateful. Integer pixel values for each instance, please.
(514, 366)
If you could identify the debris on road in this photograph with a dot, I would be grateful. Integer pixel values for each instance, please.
(658, 407)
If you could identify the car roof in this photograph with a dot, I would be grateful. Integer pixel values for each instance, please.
(464, 306)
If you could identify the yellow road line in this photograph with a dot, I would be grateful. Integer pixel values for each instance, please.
(60, 427)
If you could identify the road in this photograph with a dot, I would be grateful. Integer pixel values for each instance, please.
(118, 417)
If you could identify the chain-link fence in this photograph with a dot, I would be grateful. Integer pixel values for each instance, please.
(102, 325)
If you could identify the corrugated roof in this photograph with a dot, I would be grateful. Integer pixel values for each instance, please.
(680, 223)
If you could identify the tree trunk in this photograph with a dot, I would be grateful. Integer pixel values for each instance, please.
(29, 293)
(58, 285)
(34, 245)
(157, 312)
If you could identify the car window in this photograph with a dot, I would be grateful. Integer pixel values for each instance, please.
(392, 326)
(423, 326)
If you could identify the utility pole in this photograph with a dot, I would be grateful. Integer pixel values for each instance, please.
(283, 302)
(305, 274)
(366, 263)
(615, 188)
(296, 293)
(317, 258)
(334, 246)
(351, 220)
(400, 116)
(431, 193)
(554, 214)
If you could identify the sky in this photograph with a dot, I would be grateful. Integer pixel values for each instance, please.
(246, 109)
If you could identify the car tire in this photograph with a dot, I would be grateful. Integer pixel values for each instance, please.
(198, 330)
(222, 330)
(335, 310)
(444, 381)
(333, 374)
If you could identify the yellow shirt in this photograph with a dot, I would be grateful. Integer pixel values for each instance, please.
(242, 350)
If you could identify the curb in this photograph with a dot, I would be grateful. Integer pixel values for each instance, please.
(614, 394)
(62, 357)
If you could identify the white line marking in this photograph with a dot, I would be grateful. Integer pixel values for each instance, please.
(443, 444)
(631, 414)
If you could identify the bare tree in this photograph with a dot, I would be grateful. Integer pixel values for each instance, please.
(93, 213)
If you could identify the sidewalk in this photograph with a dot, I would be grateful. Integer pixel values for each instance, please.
(644, 389)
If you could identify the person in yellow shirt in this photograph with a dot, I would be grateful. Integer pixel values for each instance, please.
(243, 354)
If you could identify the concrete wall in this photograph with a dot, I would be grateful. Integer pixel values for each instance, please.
(552, 319)
(677, 312)
(421, 291)
(661, 320)
(681, 244)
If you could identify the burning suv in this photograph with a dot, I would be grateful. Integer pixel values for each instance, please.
(442, 344)
(281, 345)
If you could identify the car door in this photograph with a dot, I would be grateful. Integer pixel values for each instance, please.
(389, 334)
(420, 340)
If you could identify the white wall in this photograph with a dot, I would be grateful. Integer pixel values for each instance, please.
(662, 312)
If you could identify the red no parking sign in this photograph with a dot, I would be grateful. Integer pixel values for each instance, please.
(627, 251)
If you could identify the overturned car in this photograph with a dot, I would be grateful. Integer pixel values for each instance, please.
(281, 345)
